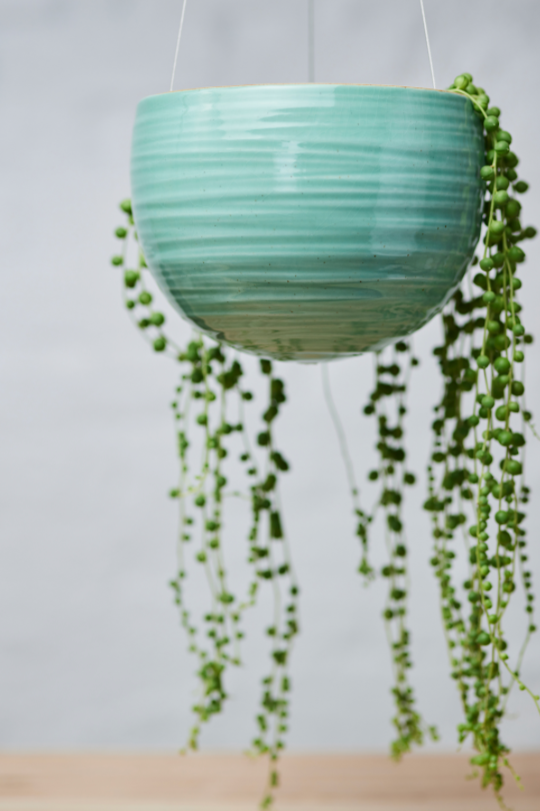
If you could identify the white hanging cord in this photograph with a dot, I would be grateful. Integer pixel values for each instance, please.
(311, 40)
(428, 45)
(342, 439)
(178, 44)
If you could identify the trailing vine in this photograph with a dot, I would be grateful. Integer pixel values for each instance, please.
(387, 406)
(209, 388)
(272, 562)
(476, 473)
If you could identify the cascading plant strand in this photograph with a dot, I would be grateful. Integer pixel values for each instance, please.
(271, 558)
(210, 383)
(387, 404)
(476, 472)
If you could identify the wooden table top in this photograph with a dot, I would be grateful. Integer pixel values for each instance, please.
(227, 782)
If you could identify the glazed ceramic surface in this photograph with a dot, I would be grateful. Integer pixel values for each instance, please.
(307, 222)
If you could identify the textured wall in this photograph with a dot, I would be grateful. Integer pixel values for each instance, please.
(90, 649)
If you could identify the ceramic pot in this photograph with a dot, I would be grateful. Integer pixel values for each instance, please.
(307, 222)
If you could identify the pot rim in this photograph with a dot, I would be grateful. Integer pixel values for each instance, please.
(305, 84)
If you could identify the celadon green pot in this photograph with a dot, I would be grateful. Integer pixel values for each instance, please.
(307, 222)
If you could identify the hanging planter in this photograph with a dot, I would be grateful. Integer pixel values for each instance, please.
(306, 222)
(314, 222)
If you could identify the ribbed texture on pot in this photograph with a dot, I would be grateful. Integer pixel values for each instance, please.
(307, 221)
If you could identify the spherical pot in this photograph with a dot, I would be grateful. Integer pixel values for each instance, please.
(308, 222)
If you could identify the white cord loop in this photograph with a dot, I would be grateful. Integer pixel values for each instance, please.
(311, 40)
(178, 44)
(311, 37)
(428, 45)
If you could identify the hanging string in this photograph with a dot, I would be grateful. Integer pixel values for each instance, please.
(342, 439)
(311, 40)
(178, 44)
(428, 45)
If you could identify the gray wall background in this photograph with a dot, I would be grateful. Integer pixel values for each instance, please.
(91, 652)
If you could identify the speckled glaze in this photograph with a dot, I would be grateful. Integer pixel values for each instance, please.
(307, 222)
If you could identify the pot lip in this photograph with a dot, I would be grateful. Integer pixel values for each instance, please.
(305, 84)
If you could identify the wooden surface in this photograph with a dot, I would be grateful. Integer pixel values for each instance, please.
(234, 783)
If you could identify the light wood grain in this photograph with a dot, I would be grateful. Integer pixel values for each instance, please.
(234, 783)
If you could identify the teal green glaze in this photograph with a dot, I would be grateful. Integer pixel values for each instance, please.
(307, 222)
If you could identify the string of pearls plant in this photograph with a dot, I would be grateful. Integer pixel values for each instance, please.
(209, 392)
(476, 472)
(387, 406)
(476, 489)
